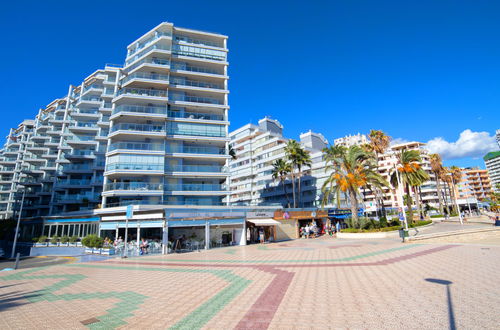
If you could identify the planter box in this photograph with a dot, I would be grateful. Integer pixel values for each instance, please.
(41, 244)
(108, 252)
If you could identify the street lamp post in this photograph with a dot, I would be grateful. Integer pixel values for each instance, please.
(456, 200)
(17, 226)
(400, 197)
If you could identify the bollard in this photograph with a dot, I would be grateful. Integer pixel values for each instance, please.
(17, 260)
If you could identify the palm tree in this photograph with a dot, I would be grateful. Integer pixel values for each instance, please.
(351, 169)
(281, 169)
(411, 173)
(379, 143)
(446, 178)
(437, 169)
(303, 159)
(456, 177)
(232, 152)
(293, 154)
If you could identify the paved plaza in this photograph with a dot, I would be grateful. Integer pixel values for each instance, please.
(302, 284)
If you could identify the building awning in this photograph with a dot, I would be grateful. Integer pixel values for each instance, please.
(264, 222)
(73, 220)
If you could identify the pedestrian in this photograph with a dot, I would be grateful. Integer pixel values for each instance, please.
(308, 231)
(261, 235)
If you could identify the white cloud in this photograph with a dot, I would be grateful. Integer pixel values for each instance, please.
(469, 144)
(398, 141)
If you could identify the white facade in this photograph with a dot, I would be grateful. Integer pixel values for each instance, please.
(492, 161)
(352, 140)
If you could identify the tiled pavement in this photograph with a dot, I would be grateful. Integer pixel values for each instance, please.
(302, 284)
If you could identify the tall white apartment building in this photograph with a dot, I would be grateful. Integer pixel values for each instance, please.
(352, 140)
(497, 135)
(257, 147)
(492, 161)
(168, 137)
(153, 131)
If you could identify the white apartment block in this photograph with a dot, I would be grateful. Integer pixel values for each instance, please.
(492, 161)
(153, 131)
(351, 140)
(257, 147)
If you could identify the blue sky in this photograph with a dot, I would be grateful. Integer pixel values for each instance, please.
(415, 69)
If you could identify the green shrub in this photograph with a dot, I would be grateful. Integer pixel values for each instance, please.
(65, 239)
(54, 239)
(93, 241)
(35, 239)
(391, 228)
(436, 216)
(421, 223)
(42, 239)
(73, 239)
(383, 222)
(394, 222)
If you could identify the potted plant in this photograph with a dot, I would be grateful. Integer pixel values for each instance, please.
(42, 241)
(65, 240)
(73, 240)
(54, 240)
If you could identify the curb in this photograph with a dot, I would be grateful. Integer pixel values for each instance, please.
(451, 233)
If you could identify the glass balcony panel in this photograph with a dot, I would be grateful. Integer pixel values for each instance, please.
(135, 167)
(137, 146)
(133, 186)
(196, 168)
(142, 91)
(140, 109)
(138, 127)
(195, 115)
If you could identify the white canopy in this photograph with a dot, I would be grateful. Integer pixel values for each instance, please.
(264, 222)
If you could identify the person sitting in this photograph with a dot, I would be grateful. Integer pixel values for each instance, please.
(144, 246)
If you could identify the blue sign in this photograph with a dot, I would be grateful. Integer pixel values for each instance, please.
(130, 212)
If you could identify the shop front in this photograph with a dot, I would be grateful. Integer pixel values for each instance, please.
(291, 222)
(79, 227)
(258, 229)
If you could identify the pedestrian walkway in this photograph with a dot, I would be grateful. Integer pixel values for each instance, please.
(303, 284)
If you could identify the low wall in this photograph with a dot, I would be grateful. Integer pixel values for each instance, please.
(394, 233)
(57, 251)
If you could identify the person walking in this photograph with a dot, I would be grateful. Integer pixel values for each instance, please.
(308, 230)
(261, 235)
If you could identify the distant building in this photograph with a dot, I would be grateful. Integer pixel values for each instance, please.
(498, 137)
(475, 183)
(351, 140)
(492, 161)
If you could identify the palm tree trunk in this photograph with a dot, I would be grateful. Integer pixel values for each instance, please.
(286, 192)
(409, 203)
(447, 186)
(293, 191)
(417, 200)
(299, 192)
(440, 194)
(354, 207)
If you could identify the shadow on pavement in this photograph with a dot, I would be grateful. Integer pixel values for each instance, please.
(15, 299)
(451, 314)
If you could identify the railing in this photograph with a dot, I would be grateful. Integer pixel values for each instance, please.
(90, 99)
(137, 146)
(140, 109)
(145, 51)
(196, 131)
(149, 41)
(139, 127)
(81, 153)
(135, 167)
(199, 53)
(194, 83)
(82, 167)
(198, 41)
(86, 111)
(155, 61)
(194, 187)
(143, 92)
(195, 99)
(192, 68)
(74, 182)
(85, 124)
(76, 138)
(149, 76)
(195, 115)
(93, 86)
(196, 150)
(76, 197)
(196, 168)
(141, 186)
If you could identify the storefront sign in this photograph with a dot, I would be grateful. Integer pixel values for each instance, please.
(261, 214)
(192, 215)
(300, 214)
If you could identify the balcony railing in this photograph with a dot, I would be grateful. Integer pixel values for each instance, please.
(137, 146)
(195, 99)
(145, 51)
(138, 127)
(148, 76)
(142, 92)
(81, 153)
(196, 168)
(76, 197)
(194, 83)
(140, 109)
(195, 115)
(139, 186)
(149, 41)
(155, 61)
(134, 167)
(196, 150)
(192, 68)
(197, 131)
(194, 187)
(74, 182)
(198, 41)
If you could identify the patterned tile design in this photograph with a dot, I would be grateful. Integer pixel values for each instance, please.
(302, 284)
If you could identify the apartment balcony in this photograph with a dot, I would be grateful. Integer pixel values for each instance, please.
(49, 166)
(73, 183)
(150, 64)
(86, 114)
(197, 152)
(198, 53)
(195, 131)
(197, 170)
(43, 127)
(195, 116)
(195, 41)
(160, 80)
(198, 71)
(94, 88)
(195, 189)
(10, 152)
(147, 169)
(145, 45)
(34, 159)
(76, 198)
(76, 140)
(89, 100)
(141, 94)
(76, 168)
(7, 170)
(137, 129)
(196, 85)
(30, 181)
(33, 170)
(8, 161)
(140, 111)
(56, 131)
(83, 127)
(41, 138)
(81, 154)
(135, 188)
(192, 100)
(137, 146)
(153, 50)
